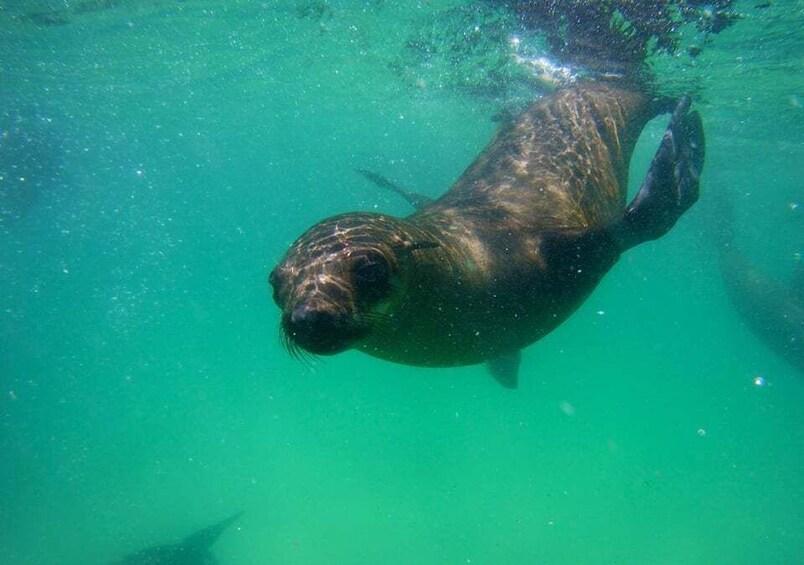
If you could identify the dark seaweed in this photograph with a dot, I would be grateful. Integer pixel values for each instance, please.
(619, 34)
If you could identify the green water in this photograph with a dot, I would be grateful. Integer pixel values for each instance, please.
(144, 392)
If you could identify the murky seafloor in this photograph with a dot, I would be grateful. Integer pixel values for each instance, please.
(173, 150)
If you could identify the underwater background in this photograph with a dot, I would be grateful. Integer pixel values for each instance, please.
(159, 159)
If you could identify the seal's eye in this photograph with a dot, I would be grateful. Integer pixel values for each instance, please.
(372, 277)
(371, 271)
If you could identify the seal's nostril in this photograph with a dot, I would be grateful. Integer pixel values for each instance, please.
(301, 314)
(307, 319)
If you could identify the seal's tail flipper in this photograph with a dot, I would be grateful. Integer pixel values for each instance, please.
(672, 183)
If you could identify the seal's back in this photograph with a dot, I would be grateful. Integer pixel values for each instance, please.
(562, 164)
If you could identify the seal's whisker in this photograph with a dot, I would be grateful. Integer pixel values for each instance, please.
(294, 350)
(304, 357)
(374, 317)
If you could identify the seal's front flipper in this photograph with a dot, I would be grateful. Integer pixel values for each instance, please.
(505, 369)
(672, 183)
(414, 199)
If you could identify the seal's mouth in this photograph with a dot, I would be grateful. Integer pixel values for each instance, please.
(319, 331)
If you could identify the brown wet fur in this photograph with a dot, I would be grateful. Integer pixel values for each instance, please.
(470, 279)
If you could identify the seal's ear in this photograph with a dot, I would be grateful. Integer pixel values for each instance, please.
(405, 247)
(416, 245)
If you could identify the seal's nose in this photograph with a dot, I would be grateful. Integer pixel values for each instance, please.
(316, 330)
(305, 317)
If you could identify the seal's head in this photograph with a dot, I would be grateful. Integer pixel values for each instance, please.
(340, 279)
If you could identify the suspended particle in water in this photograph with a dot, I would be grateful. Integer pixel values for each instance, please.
(701, 432)
(759, 380)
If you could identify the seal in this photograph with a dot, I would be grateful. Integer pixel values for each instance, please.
(508, 253)
(773, 310)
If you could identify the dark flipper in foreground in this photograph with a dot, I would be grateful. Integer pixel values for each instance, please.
(193, 550)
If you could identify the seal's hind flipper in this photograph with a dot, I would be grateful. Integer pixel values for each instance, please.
(505, 369)
(672, 183)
